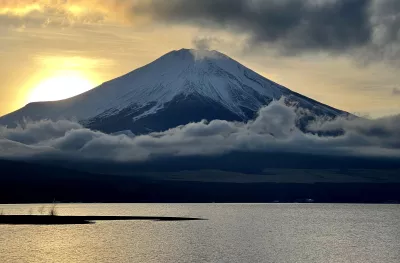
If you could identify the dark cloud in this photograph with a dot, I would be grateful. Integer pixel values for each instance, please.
(367, 29)
(274, 130)
(329, 25)
(396, 91)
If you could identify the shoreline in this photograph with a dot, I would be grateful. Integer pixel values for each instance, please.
(81, 220)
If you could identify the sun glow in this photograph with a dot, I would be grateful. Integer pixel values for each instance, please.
(60, 87)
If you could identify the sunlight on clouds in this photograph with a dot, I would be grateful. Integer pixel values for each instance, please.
(71, 10)
(68, 12)
(76, 9)
(75, 62)
(19, 10)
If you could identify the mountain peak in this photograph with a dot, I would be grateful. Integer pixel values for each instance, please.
(196, 54)
(183, 86)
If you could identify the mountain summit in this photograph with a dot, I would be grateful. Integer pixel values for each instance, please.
(178, 88)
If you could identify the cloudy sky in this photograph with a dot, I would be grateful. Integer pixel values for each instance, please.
(345, 53)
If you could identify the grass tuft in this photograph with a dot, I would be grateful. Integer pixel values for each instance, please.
(53, 210)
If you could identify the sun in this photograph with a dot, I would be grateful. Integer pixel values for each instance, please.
(59, 87)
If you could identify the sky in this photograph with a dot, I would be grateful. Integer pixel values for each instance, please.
(345, 53)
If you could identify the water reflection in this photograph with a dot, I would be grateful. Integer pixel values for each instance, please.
(233, 233)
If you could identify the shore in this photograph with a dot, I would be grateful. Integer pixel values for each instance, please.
(78, 220)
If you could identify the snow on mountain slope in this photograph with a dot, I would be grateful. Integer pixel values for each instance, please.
(180, 87)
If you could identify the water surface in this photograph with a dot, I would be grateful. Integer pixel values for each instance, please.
(233, 233)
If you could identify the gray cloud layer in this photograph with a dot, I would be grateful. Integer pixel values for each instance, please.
(294, 26)
(274, 130)
(367, 28)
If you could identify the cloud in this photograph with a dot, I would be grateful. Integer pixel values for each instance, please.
(396, 91)
(366, 29)
(32, 133)
(205, 42)
(382, 132)
(274, 130)
(296, 24)
(61, 12)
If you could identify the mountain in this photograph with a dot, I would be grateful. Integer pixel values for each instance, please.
(180, 87)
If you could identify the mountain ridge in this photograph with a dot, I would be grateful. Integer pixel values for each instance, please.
(180, 87)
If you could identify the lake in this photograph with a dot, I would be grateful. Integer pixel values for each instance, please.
(232, 233)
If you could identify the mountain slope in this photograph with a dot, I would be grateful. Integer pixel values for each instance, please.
(180, 87)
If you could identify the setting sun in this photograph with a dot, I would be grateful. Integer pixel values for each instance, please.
(60, 87)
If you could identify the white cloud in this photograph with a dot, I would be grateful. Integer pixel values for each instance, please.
(274, 130)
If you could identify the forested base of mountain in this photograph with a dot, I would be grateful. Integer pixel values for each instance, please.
(31, 183)
(184, 192)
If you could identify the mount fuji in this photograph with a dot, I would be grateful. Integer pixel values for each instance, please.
(178, 88)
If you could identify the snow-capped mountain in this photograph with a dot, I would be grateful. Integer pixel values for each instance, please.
(180, 87)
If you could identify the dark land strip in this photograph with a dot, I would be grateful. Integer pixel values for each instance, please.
(79, 220)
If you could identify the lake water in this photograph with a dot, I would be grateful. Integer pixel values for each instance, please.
(233, 233)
